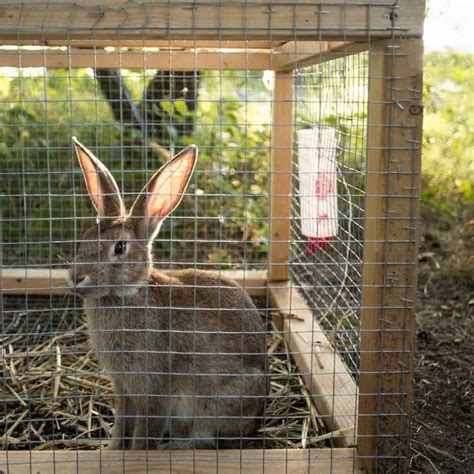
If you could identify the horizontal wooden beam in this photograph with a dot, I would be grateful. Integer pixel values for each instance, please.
(145, 43)
(291, 55)
(388, 299)
(208, 19)
(297, 54)
(41, 281)
(331, 386)
(164, 60)
(271, 461)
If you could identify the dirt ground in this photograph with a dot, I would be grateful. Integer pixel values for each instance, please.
(443, 419)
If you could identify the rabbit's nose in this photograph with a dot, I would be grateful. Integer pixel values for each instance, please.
(77, 279)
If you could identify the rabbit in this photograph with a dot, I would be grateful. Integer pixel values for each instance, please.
(186, 351)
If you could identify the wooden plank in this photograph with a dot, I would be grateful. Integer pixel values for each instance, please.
(289, 56)
(390, 253)
(333, 389)
(42, 281)
(33, 281)
(208, 19)
(271, 461)
(145, 43)
(120, 3)
(281, 169)
(176, 60)
(297, 54)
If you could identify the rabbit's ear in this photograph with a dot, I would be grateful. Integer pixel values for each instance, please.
(102, 187)
(163, 193)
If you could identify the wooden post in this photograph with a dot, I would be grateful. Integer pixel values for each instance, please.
(280, 168)
(390, 253)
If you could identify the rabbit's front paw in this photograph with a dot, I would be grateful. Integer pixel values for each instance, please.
(187, 444)
(115, 444)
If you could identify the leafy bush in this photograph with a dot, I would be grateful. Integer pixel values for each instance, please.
(43, 207)
(448, 143)
(43, 195)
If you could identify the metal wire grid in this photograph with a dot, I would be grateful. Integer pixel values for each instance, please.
(33, 236)
(334, 95)
(71, 102)
(45, 212)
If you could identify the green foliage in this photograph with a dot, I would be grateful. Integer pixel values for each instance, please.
(448, 143)
(232, 178)
(41, 187)
(42, 191)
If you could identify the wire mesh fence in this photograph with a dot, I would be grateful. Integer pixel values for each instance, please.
(132, 120)
(45, 198)
(112, 334)
(331, 98)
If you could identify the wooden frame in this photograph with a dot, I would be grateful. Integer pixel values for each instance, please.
(390, 253)
(204, 34)
(282, 58)
(39, 281)
(333, 389)
(296, 54)
(176, 60)
(338, 461)
(280, 169)
(208, 19)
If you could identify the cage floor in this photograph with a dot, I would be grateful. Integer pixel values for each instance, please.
(53, 393)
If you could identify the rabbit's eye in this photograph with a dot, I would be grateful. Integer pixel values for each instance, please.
(120, 247)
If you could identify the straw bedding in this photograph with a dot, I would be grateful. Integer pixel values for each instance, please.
(53, 393)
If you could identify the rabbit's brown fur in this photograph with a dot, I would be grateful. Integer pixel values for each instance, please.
(186, 353)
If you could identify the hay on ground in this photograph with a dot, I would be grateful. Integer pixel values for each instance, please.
(53, 393)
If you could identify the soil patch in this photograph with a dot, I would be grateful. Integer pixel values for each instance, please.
(443, 419)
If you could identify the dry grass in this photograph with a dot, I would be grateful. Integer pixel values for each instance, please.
(53, 393)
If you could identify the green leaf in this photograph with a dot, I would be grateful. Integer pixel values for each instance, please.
(181, 107)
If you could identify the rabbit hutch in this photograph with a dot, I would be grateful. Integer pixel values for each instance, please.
(308, 119)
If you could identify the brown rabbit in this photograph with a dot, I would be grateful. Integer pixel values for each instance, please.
(185, 352)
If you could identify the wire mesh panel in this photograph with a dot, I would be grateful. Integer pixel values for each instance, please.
(45, 199)
(221, 223)
(327, 246)
(57, 392)
(190, 253)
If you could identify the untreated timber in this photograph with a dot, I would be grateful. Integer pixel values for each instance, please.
(297, 54)
(137, 59)
(291, 55)
(208, 19)
(390, 253)
(280, 176)
(43, 281)
(163, 44)
(332, 388)
(250, 461)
